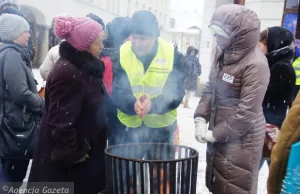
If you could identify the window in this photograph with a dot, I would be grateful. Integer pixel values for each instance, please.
(113, 5)
(188, 40)
(172, 23)
(108, 5)
(197, 41)
(291, 4)
(144, 6)
(174, 39)
(166, 5)
(128, 8)
(160, 18)
(240, 2)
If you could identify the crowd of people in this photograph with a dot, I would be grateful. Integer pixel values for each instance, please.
(122, 83)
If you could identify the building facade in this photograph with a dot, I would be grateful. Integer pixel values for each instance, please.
(161, 8)
(185, 38)
(184, 27)
(40, 14)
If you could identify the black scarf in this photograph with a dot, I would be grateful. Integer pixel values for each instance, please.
(285, 55)
(24, 51)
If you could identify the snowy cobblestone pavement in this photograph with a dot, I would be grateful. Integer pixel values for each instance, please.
(186, 128)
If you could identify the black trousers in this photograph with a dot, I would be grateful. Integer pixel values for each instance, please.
(295, 92)
(13, 170)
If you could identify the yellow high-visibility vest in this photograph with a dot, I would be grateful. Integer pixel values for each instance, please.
(296, 66)
(150, 82)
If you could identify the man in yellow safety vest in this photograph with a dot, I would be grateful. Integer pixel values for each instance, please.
(148, 83)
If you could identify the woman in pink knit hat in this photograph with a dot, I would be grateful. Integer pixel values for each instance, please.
(72, 138)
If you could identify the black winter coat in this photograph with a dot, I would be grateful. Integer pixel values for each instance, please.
(20, 105)
(279, 94)
(20, 93)
(192, 69)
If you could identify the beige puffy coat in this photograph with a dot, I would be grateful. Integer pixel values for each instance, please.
(232, 104)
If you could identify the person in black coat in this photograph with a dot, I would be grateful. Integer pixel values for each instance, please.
(192, 70)
(118, 32)
(22, 106)
(278, 45)
(72, 136)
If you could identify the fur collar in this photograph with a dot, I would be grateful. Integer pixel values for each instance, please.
(85, 61)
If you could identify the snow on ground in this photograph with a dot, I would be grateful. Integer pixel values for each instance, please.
(186, 128)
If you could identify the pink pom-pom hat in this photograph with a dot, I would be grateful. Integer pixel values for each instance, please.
(80, 32)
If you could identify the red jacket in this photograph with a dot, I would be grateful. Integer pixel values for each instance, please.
(108, 74)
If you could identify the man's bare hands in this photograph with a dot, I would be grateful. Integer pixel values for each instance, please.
(138, 108)
(143, 106)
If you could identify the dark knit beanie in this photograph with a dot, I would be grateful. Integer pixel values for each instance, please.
(97, 19)
(118, 31)
(144, 23)
(278, 37)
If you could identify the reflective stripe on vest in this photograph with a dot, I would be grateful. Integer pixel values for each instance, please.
(296, 66)
(151, 82)
(147, 90)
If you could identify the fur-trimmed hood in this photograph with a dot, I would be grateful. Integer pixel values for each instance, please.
(189, 50)
(83, 60)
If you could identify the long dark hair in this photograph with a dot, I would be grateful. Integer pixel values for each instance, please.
(218, 58)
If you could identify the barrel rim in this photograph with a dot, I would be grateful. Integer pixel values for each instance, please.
(196, 155)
